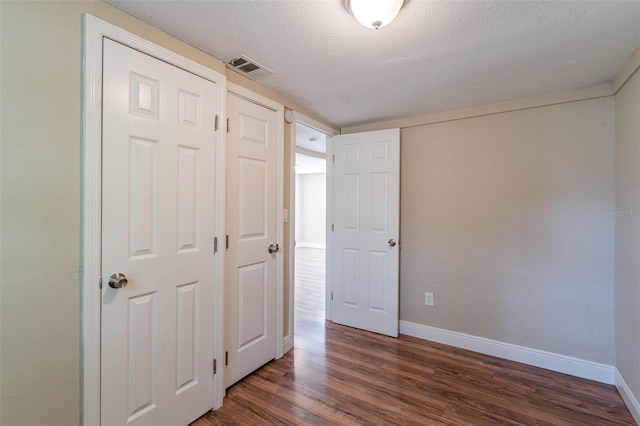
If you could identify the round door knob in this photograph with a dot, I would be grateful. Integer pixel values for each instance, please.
(274, 248)
(118, 280)
(392, 242)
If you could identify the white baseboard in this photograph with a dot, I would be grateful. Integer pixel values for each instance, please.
(287, 344)
(311, 245)
(629, 398)
(561, 363)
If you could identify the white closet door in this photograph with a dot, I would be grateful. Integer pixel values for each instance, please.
(158, 228)
(250, 285)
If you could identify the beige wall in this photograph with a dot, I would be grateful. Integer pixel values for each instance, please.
(40, 175)
(627, 248)
(504, 219)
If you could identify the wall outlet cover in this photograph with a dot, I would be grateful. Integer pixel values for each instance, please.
(428, 299)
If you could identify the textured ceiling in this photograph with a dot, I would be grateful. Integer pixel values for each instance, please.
(311, 139)
(436, 56)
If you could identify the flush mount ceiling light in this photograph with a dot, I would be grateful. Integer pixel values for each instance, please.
(374, 13)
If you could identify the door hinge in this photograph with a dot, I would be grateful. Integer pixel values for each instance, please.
(333, 227)
(226, 358)
(215, 366)
(226, 242)
(215, 125)
(331, 295)
(100, 283)
(215, 245)
(333, 158)
(228, 124)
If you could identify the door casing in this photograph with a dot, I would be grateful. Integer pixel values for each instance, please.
(254, 98)
(279, 110)
(94, 30)
(298, 117)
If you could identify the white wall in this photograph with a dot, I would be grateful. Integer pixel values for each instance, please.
(627, 247)
(311, 210)
(503, 218)
(298, 230)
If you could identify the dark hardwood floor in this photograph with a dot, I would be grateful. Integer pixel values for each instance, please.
(337, 375)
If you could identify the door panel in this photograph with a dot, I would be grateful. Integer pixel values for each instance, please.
(141, 378)
(250, 288)
(252, 295)
(366, 188)
(188, 198)
(252, 177)
(158, 228)
(144, 184)
(186, 327)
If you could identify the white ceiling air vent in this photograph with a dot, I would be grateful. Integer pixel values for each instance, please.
(247, 67)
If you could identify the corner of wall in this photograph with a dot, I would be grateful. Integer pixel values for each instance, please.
(240, 80)
(626, 275)
(627, 71)
(628, 397)
(140, 28)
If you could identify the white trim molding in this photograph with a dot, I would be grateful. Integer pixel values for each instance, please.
(551, 361)
(311, 245)
(628, 397)
(288, 340)
(94, 31)
(315, 124)
(632, 65)
(328, 267)
(308, 152)
(299, 117)
(594, 92)
(567, 96)
(251, 96)
(287, 343)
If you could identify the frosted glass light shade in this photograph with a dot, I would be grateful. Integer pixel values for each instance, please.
(374, 13)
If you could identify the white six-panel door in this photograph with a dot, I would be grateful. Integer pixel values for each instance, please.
(250, 270)
(158, 229)
(365, 249)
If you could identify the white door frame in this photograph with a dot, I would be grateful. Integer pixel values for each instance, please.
(299, 117)
(279, 110)
(94, 30)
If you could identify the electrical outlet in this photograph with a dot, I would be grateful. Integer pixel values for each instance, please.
(428, 299)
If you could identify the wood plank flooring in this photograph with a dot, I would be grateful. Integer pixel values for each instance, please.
(337, 375)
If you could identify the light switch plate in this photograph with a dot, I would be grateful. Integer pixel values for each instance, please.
(428, 299)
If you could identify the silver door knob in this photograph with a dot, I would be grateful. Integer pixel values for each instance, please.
(118, 280)
(392, 242)
(274, 248)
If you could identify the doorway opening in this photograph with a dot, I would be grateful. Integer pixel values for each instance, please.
(310, 230)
